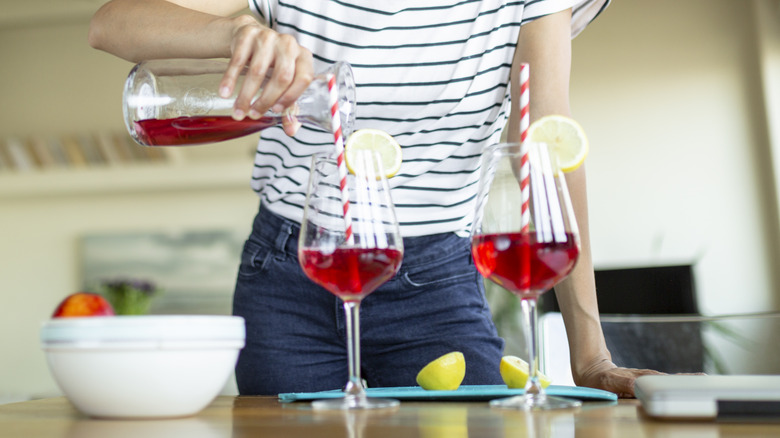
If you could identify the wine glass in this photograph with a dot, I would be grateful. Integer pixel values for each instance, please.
(525, 239)
(350, 244)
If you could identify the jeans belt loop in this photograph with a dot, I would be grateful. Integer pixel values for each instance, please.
(285, 232)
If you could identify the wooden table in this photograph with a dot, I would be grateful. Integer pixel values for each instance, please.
(255, 417)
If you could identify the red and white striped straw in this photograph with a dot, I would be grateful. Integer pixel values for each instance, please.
(333, 95)
(525, 117)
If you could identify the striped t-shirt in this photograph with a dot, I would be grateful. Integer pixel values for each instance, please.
(432, 73)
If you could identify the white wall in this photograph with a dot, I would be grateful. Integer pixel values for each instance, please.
(669, 93)
(53, 83)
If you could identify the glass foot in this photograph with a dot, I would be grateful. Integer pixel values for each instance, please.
(354, 402)
(533, 402)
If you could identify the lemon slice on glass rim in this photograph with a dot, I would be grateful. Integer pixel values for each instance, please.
(565, 138)
(373, 140)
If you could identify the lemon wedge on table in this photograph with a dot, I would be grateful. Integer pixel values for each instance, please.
(373, 140)
(514, 371)
(565, 138)
(443, 374)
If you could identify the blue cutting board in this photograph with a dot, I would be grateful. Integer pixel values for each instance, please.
(464, 393)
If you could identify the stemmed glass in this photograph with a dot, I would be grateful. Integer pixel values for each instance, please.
(525, 239)
(350, 264)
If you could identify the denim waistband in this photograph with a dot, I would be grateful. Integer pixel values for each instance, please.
(282, 234)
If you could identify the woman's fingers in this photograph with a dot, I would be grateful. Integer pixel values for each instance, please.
(253, 51)
(292, 73)
(302, 78)
(277, 68)
(241, 50)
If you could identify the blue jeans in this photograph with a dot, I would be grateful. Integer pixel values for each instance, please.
(295, 329)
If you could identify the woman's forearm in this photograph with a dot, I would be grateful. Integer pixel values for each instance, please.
(546, 45)
(145, 29)
(577, 293)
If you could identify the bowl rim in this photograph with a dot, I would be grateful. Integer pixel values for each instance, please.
(160, 329)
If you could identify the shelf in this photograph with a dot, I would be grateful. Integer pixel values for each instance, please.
(129, 178)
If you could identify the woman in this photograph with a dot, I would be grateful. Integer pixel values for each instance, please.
(438, 76)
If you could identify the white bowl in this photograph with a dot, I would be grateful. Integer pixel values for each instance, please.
(142, 366)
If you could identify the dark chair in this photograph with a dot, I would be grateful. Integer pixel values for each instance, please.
(668, 344)
(661, 290)
(671, 344)
(633, 303)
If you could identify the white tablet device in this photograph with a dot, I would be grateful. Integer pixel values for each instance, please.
(735, 398)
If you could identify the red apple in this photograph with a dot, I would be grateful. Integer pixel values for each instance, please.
(83, 304)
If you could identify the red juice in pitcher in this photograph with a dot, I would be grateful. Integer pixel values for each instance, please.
(197, 129)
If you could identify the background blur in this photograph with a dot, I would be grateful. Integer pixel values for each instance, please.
(681, 102)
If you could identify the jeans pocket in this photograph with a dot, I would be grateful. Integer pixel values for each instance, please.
(450, 269)
(254, 258)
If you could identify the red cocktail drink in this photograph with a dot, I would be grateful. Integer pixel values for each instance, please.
(351, 273)
(499, 258)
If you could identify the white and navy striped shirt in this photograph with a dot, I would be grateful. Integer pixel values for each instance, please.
(432, 73)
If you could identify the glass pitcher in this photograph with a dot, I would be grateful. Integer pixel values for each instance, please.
(175, 102)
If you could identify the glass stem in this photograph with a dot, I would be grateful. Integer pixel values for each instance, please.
(529, 317)
(355, 384)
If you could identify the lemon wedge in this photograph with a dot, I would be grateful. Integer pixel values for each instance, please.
(443, 374)
(565, 138)
(373, 140)
(514, 371)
